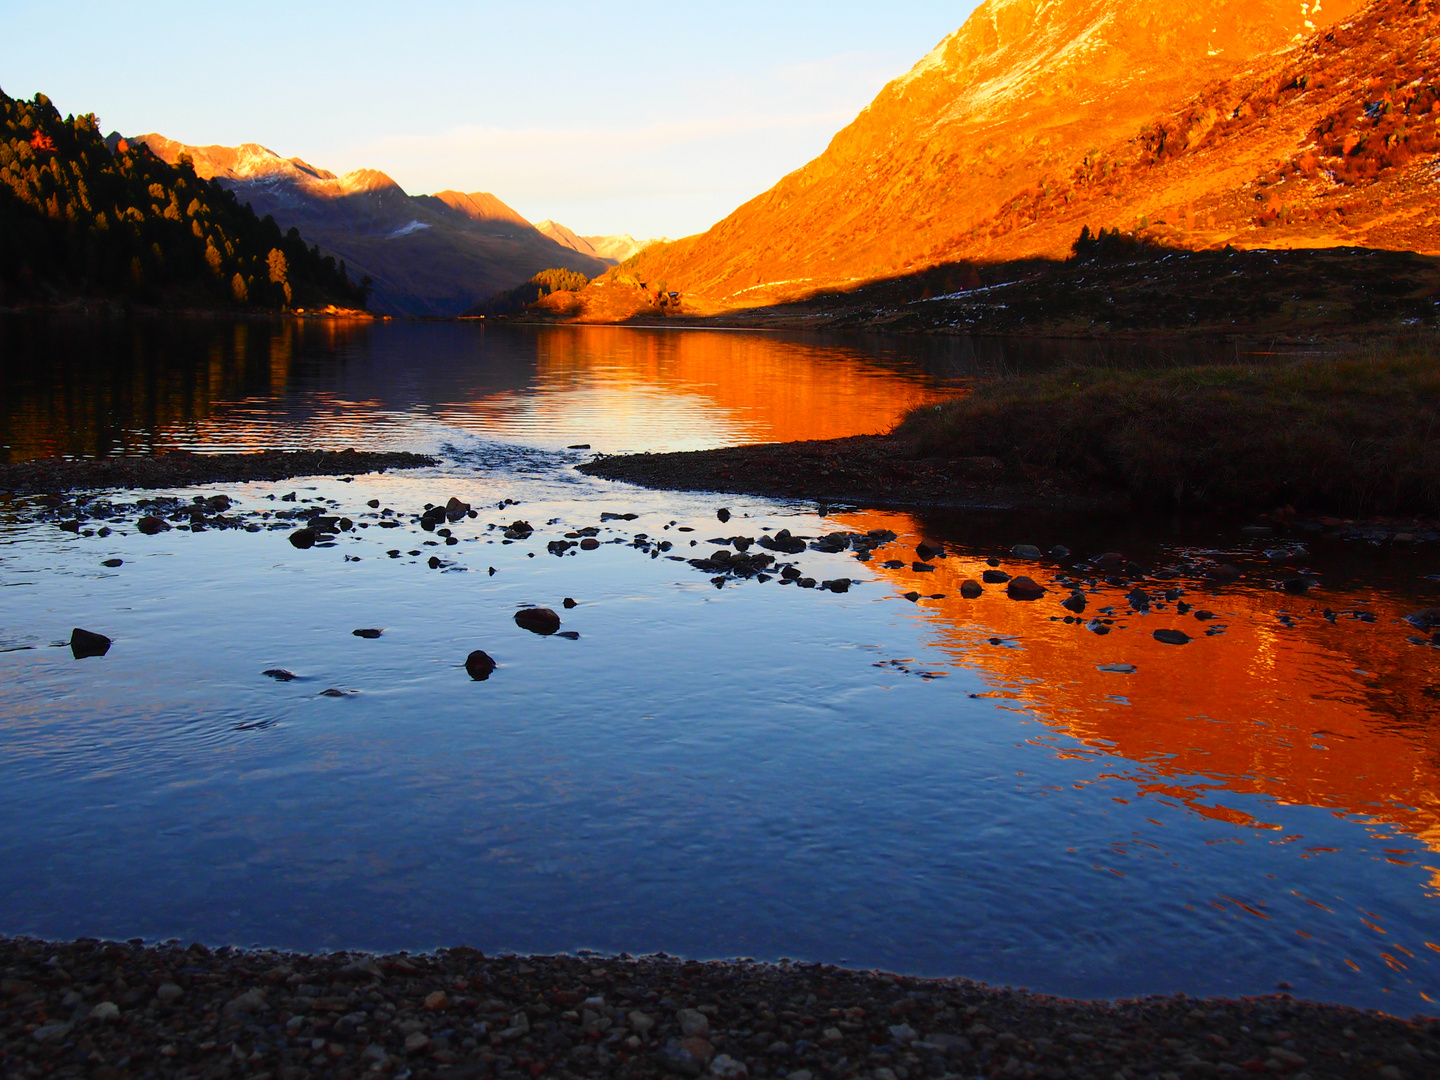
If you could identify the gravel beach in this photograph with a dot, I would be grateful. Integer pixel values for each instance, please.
(179, 468)
(106, 1010)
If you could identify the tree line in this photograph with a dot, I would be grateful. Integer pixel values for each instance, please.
(83, 217)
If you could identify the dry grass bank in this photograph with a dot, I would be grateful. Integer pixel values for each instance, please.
(1357, 434)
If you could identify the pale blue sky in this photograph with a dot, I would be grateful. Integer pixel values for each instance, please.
(649, 119)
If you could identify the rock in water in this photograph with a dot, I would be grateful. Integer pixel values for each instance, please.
(1295, 585)
(538, 620)
(112, 563)
(995, 577)
(280, 674)
(1025, 551)
(569, 603)
(1096, 626)
(723, 514)
(479, 665)
(367, 633)
(970, 589)
(303, 538)
(1075, 602)
(455, 509)
(1424, 619)
(1024, 588)
(83, 643)
(150, 525)
(1172, 637)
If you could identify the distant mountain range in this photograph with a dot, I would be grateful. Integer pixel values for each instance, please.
(1253, 123)
(434, 255)
(613, 249)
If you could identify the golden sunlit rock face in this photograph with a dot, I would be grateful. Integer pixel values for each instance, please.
(1036, 118)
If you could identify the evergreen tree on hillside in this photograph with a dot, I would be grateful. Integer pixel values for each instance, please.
(80, 217)
(537, 288)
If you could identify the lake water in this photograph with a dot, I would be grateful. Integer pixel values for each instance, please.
(941, 786)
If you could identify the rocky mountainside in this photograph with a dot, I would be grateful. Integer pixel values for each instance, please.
(613, 249)
(1040, 101)
(427, 255)
(567, 238)
(621, 247)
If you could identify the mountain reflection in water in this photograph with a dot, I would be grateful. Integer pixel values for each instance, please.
(1336, 715)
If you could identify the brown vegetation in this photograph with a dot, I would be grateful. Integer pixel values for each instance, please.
(1360, 434)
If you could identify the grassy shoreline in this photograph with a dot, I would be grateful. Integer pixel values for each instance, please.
(1357, 435)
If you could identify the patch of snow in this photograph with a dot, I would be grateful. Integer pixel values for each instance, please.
(963, 293)
(406, 230)
(767, 284)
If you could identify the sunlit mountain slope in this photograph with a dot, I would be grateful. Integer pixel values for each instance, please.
(1024, 96)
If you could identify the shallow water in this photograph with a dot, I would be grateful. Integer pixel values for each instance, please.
(943, 786)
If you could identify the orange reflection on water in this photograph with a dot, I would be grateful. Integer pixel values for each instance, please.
(1338, 716)
(697, 388)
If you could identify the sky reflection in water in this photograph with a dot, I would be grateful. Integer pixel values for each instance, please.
(752, 770)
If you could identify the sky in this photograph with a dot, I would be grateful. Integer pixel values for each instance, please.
(650, 119)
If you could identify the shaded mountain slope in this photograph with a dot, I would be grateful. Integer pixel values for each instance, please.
(427, 255)
(1024, 92)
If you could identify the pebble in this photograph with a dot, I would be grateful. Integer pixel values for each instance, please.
(112, 563)
(970, 589)
(107, 1012)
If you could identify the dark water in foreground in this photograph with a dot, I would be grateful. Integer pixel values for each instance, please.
(944, 787)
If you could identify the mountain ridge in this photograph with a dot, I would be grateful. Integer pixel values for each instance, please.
(427, 255)
(1026, 90)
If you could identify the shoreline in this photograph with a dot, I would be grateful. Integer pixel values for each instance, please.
(877, 471)
(181, 468)
(108, 1009)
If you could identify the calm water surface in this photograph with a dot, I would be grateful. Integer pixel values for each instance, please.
(941, 787)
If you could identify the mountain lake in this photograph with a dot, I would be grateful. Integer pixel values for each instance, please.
(712, 768)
